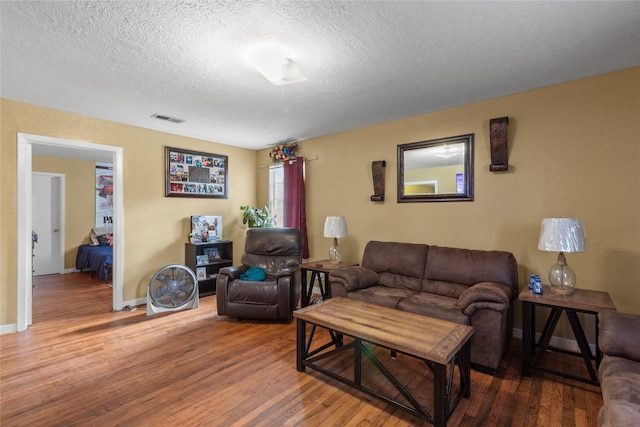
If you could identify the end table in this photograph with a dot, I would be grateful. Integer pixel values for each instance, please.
(319, 270)
(580, 301)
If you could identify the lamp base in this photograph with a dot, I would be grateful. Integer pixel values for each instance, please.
(334, 253)
(562, 278)
(562, 290)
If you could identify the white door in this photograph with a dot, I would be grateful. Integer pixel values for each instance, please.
(47, 223)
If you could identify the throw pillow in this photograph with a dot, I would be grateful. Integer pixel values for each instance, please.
(255, 274)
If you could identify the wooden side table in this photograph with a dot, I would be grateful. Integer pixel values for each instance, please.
(319, 273)
(580, 301)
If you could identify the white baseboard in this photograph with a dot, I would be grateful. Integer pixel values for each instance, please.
(135, 302)
(561, 343)
(8, 329)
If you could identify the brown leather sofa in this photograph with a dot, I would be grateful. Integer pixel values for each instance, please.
(471, 287)
(279, 252)
(619, 371)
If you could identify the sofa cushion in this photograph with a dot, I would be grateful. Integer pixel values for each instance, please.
(382, 295)
(446, 289)
(433, 305)
(392, 280)
(400, 265)
(468, 267)
(616, 413)
(620, 379)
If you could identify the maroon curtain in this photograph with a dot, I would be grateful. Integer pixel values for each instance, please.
(295, 212)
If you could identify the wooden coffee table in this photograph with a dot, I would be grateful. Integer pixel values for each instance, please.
(439, 343)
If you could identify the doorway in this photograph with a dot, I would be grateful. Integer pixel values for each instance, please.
(28, 145)
(48, 223)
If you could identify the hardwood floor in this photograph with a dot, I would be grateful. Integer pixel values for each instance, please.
(79, 364)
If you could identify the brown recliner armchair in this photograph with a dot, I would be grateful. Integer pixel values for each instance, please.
(279, 252)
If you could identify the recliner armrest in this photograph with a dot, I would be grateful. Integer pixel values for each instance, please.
(485, 295)
(619, 334)
(233, 272)
(287, 271)
(353, 278)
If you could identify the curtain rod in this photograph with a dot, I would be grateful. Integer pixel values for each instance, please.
(265, 165)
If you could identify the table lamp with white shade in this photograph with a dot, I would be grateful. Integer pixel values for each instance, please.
(335, 227)
(562, 235)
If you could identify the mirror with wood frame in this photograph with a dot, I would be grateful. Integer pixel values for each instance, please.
(436, 170)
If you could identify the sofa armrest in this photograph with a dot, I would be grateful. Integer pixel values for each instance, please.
(485, 295)
(619, 334)
(353, 278)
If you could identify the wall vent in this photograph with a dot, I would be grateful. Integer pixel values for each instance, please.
(167, 118)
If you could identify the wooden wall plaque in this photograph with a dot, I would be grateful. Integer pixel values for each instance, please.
(498, 141)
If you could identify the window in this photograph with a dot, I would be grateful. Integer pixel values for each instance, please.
(276, 194)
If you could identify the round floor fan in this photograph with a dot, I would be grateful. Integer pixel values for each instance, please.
(173, 287)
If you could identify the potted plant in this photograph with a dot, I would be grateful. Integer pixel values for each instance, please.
(257, 217)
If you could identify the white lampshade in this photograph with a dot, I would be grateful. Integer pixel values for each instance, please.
(335, 226)
(562, 235)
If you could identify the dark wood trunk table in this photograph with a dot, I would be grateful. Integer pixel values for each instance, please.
(441, 344)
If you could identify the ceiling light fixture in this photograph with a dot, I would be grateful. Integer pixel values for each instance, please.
(274, 62)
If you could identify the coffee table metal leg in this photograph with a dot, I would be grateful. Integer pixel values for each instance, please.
(357, 362)
(440, 397)
(465, 368)
(301, 332)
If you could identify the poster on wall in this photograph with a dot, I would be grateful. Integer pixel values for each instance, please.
(195, 174)
(104, 194)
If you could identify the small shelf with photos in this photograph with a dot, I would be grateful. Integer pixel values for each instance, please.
(206, 259)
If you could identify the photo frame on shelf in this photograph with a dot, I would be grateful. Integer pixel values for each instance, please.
(212, 254)
(202, 259)
(201, 273)
(191, 173)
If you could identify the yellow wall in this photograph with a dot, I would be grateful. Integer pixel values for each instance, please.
(155, 227)
(574, 151)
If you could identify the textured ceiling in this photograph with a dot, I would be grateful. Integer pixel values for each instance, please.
(366, 62)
